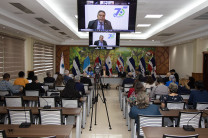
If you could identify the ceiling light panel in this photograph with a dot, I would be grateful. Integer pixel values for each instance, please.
(143, 25)
(153, 16)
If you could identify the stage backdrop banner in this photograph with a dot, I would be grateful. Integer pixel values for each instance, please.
(124, 52)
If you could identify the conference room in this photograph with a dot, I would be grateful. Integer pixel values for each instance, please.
(147, 43)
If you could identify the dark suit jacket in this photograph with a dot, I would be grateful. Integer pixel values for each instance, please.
(128, 81)
(86, 80)
(97, 43)
(122, 75)
(35, 86)
(49, 80)
(93, 25)
(80, 88)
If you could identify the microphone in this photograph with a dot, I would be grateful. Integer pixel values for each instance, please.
(190, 127)
(46, 106)
(25, 124)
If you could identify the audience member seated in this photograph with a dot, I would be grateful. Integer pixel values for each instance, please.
(173, 72)
(79, 86)
(191, 83)
(90, 72)
(149, 82)
(49, 79)
(144, 78)
(21, 80)
(171, 80)
(183, 87)
(128, 80)
(160, 89)
(122, 73)
(198, 95)
(86, 80)
(35, 85)
(56, 75)
(143, 107)
(6, 85)
(66, 76)
(59, 80)
(70, 91)
(172, 97)
(30, 75)
(167, 78)
(133, 92)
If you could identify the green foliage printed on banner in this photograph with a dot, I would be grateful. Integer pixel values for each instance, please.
(124, 52)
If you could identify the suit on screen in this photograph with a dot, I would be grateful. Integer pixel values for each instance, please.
(93, 25)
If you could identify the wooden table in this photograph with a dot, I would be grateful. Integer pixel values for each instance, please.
(175, 112)
(65, 111)
(157, 101)
(60, 131)
(157, 132)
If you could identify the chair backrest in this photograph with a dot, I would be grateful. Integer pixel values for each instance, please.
(53, 93)
(185, 96)
(175, 105)
(50, 116)
(45, 87)
(194, 117)
(18, 116)
(201, 106)
(32, 93)
(44, 101)
(3, 93)
(127, 87)
(13, 101)
(69, 103)
(148, 90)
(49, 84)
(86, 86)
(174, 136)
(59, 88)
(149, 120)
(2, 134)
(157, 96)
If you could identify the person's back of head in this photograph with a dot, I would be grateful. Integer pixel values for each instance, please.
(59, 80)
(173, 88)
(130, 75)
(160, 80)
(147, 73)
(150, 80)
(48, 74)
(34, 79)
(6, 76)
(142, 100)
(138, 86)
(66, 72)
(199, 85)
(21, 74)
(77, 78)
(31, 74)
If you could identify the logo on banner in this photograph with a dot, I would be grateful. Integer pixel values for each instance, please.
(119, 12)
(111, 36)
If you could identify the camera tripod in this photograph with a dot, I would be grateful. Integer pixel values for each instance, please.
(95, 100)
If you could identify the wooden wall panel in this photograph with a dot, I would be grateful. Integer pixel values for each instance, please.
(59, 50)
(197, 76)
(162, 60)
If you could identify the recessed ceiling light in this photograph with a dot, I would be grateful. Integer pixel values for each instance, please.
(76, 16)
(143, 25)
(153, 16)
(153, 40)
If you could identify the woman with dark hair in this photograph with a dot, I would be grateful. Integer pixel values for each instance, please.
(198, 95)
(160, 89)
(59, 80)
(70, 91)
(30, 75)
(191, 83)
(133, 92)
(21, 80)
(89, 72)
(149, 82)
(172, 97)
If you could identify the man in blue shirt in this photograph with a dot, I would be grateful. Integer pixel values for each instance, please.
(6, 85)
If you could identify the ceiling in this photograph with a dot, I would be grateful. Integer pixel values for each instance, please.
(178, 24)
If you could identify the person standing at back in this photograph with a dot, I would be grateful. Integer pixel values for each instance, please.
(173, 72)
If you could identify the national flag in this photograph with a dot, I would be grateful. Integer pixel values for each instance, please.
(108, 65)
(131, 65)
(119, 64)
(142, 66)
(76, 66)
(86, 64)
(152, 67)
(62, 68)
(97, 61)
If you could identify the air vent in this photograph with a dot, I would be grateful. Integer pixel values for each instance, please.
(202, 17)
(22, 8)
(166, 34)
(62, 33)
(54, 28)
(42, 20)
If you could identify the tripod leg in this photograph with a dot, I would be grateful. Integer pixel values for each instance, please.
(91, 119)
(96, 110)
